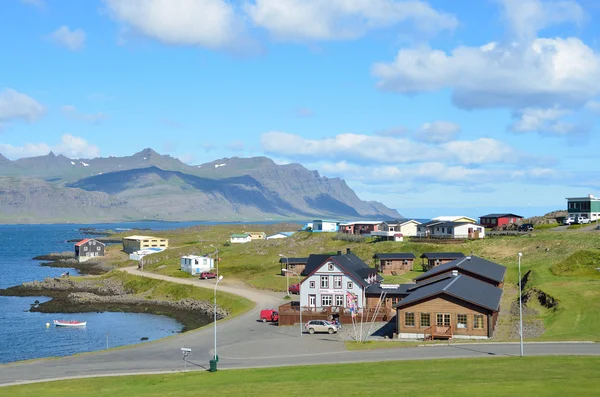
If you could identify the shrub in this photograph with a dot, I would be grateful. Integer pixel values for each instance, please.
(352, 238)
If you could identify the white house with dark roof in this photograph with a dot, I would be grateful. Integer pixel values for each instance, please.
(331, 279)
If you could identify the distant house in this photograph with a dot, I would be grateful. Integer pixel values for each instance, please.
(240, 238)
(88, 248)
(456, 230)
(138, 243)
(433, 259)
(454, 218)
(389, 294)
(332, 279)
(293, 265)
(196, 264)
(257, 235)
(452, 305)
(394, 263)
(391, 230)
(325, 226)
(280, 235)
(497, 220)
(586, 207)
(360, 228)
(472, 266)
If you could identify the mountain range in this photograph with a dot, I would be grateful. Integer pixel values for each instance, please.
(148, 185)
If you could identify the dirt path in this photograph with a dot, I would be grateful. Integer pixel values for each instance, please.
(260, 297)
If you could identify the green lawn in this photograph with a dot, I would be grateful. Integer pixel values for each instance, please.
(534, 376)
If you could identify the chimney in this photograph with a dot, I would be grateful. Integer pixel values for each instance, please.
(347, 250)
(454, 273)
(339, 253)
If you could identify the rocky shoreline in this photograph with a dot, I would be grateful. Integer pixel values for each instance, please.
(68, 260)
(98, 295)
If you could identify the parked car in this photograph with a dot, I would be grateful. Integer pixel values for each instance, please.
(582, 220)
(569, 220)
(321, 326)
(206, 275)
(525, 227)
(294, 289)
(269, 315)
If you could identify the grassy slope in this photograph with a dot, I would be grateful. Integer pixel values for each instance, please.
(539, 376)
(578, 291)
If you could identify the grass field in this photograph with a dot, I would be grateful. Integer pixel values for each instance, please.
(535, 376)
(563, 265)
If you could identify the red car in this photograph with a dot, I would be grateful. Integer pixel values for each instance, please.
(294, 289)
(269, 315)
(206, 275)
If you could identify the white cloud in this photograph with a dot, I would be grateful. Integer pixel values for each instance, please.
(205, 23)
(437, 132)
(93, 118)
(70, 146)
(546, 121)
(543, 73)
(358, 148)
(526, 18)
(18, 106)
(342, 19)
(35, 3)
(71, 39)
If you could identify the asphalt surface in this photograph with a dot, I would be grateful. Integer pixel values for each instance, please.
(244, 342)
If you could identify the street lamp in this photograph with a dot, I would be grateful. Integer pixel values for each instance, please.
(300, 294)
(520, 306)
(287, 279)
(217, 250)
(215, 319)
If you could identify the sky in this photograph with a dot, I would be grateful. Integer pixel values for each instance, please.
(430, 107)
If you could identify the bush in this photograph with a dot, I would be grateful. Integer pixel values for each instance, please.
(352, 238)
(226, 244)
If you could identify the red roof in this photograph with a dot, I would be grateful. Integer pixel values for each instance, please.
(79, 244)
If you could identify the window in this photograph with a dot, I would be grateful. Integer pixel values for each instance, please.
(326, 300)
(425, 320)
(395, 301)
(339, 300)
(85, 248)
(478, 321)
(94, 242)
(350, 285)
(324, 281)
(312, 300)
(409, 319)
(337, 282)
(292, 266)
(461, 321)
(330, 267)
(312, 284)
(97, 248)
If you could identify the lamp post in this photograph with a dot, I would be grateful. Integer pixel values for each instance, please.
(300, 294)
(215, 319)
(520, 306)
(287, 279)
(217, 251)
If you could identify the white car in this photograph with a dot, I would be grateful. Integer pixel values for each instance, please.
(582, 220)
(321, 326)
(569, 221)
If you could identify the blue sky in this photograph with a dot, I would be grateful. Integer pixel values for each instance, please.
(429, 107)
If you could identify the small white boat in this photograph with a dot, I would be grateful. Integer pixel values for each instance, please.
(69, 323)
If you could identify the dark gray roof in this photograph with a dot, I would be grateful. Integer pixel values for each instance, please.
(349, 262)
(395, 255)
(472, 264)
(314, 261)
(293, 260)
(376, 290)
(430, 223)
(443, 255)
(501, 216)
(461, 287)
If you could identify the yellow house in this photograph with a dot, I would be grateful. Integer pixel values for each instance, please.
(137, 243)
(257, 235)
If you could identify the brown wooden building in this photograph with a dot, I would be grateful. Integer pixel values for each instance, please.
(429, 260)
(472, 266)
(88, 248)
(293, 265)
(394, 263)
(449, 306)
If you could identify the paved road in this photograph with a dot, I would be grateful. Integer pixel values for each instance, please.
(244, 342)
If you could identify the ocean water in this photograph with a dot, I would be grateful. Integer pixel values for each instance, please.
(24, 335)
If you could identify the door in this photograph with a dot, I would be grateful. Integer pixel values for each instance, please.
(312, 301)
(443, 320)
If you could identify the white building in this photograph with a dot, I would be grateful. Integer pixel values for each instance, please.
(321, 225)
(457, 230)
(194, 264)
(586, 207)
(138, 255)
(280, 235)
(240, 238)
(331, 280)
(395, 230)
(454, 218)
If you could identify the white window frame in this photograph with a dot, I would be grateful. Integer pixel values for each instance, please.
(326, 300)
(339, 300)
(349, 285)
(337, 282)
(312, 284)
(330, 267)
(324, 282)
